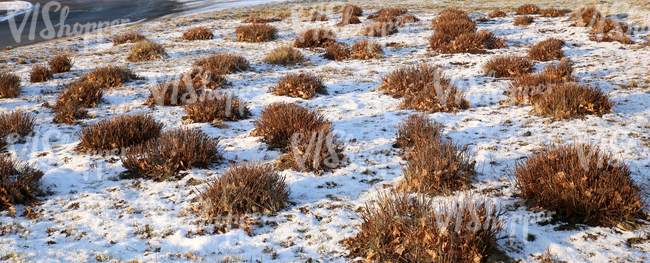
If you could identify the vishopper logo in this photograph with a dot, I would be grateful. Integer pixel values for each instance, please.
(59, 29)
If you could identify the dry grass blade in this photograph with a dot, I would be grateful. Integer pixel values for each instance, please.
(145, 50)
(249, 187)
(582, 183)
(19, 182)
(116, 134)
(175, 150)
(256, 33)
(9, 85)
(303, 85)
(60, 64)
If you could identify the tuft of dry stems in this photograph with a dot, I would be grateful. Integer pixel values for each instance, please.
(496, 13)
(175, 150)
(109, 76)
(529, 88)
(129, 37)
(14, 126)
(258, 20)
(71, 104)
(415, 128)
(198, 33)
(279, 121)
(586, 16)
(572, 100)
(379, 29)
(549, 49)
(318, 17)
(528, 9)
(174, 93)
(60, 64)
(9, 85)
(552, 12)
(523, 20)
(437, 167)
(352, 10)
(116, 134)
(582, 183)
(19, 182)
(507, 66)
(303, 85)
(366, 49)
(320, 37)
(145, 50)
(217, 106)
(255, 33)
(313, 151)
(285, 55)
(223, 63)
(455, 32)
(248, 187)
(406, 228)
(40, 73)
(337, 51)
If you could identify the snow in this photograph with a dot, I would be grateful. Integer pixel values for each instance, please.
(112, 214)
(15, 8)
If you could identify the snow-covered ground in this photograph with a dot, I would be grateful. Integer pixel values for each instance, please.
(91, 215)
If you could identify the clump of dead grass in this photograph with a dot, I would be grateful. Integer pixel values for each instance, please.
(109, 76)
(197, 33)
(317, 151)
(223, 63)
(129, 37)
(145, 50)
(285, 55)
(115, 135)
(582, 183)
(278, 122)
(352, 10)
(320, 37)
(60, 64)
(9, 85)
(256, 33)
(75, 98)
(547, 50)
(317, 17)
(337, 51)
(14, 126)
(40, 73)
(527, 9)
(572, 100)
(507, 66)
(379, 29)
(586, 16)
(366, 49)
(523, 20)
(552, 12)
(529, 88)
(19, 182)
(258, 20)
(303, 85)
(455, 32)
(415, 128)
(175, 150)
(496, 13)
(215, 107)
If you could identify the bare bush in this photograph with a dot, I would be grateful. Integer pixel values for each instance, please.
(303, 85)
(118, 133)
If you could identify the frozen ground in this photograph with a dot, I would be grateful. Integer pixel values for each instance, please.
(93, 216)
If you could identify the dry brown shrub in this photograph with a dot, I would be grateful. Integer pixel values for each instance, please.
(258, 20)
(415, 128)
(435, 98)
(407, 19)
(19, 182)
(346, 20)
(203, 79)
(109, 76)
(14, 126)
(547, 50)
(278, 122)
(248, 187)
(586, 16)
(571, 100)
(366, 49)
(145, 50)
(465, 43)
(405, 228)
(9, 85)
(527, 9)
(379, 29)
(523, 20)
(582, 183)
(285, 55)
(388, 14)
(313, 151)
(529, 88)
(174, 93)
(115, 135)
(223, 63)
(303, 85)
(60, 64)
(611, 37)
(175, 150)
(256, 33)
(508, 66)
(352, 10)
(606, 25)
(451, 14)
(337, 51)
(216, 107)
(72, 102)
(317, 17)
(552, 12)
(315, 38)
(198, 33)
(453, 27)
(130, 37)
(496, 13)
(40, 73)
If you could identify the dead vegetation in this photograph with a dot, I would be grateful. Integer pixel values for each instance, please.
(316, 151)
(9, 85)
(19, 182)
(523, 20)
(197, 33)
(40, 73)
(114, 135)
(303, 85)
(256, 33)
(259, 20)
(572, 100)
(310, 38)
(175, 150)
(243, 188)
(278, 122)
(129, 37)
(366, 49)
(404, 228)
(379, 29)
(145, 50)
(552, 12)
(217, 106)
(109, 77)
(582, 183)
(318, 17)
(547, 50)
(60, 63)
(223, 63)
(337, 51)
(496, 13)
(75, 98)
(352, 10)
(285, 55)
(14, 127)
(455, 32)
(507, 66)
(529, 88)
(528, 9)
(415, 128)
